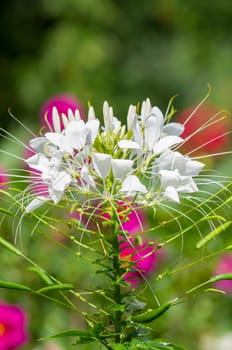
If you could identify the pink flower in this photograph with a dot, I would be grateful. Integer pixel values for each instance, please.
(12, 327)
(63, 103)
(224, 266)
(139, 258)
(4, 179)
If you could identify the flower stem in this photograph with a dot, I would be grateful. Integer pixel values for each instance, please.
(117, 274)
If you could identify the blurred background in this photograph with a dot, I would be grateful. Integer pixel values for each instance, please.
(123, 52)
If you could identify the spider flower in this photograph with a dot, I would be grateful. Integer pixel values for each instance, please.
(113, 161)
(12, 327)
(61, 106)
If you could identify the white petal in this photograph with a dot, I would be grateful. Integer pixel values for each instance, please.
(145, 110)
(71, 116)
(76, 133)
(102, 164)
(64, 119)
(56, 120)
(127, 144)
(91, 114)
(62, 181)
(36, 203)
(130, 116)
(193, 167)
(173, 129)
(121, 167)
(132, 184)
(157, 112)
(93, 126)
(169, 178)
(171, 193)
(38, 162)
(151, 132)
(77, 115)
(87, 177)
(165, 143)
(108, 116)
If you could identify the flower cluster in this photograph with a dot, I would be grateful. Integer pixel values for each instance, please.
(139, 160)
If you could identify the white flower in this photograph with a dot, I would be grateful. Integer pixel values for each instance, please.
(52, 175)
(176, 173)
(110, 160)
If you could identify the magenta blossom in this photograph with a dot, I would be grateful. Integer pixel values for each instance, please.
(4, 179)
(63, 104)
(140, 259)
(12, 327)
(224, 266)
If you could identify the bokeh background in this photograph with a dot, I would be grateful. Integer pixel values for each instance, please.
(121, 51)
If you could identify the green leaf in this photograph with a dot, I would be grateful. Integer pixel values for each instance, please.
(83, 336)
(153, 345)
(55, 287)
(213, 234)
(10, 247)
(117, 307)
(152, 314)
(12, 285)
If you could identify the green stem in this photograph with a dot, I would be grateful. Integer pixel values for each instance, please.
(116, 277)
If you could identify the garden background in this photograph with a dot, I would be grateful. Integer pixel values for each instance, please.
(123, 52)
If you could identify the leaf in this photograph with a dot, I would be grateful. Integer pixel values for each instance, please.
(151, 314)
(71, 333)
(12, 285)
(213, 234)
(154, 345)
(10, 247)
(55, 287)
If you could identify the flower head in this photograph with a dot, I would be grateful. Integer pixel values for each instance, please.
(12, 327)
(139, 161)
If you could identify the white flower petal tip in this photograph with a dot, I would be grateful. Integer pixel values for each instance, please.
(127, 144)
(194, 167)
(166, 142)
(173, 129)
(171, 194)
(102, 164)
(132, 184)
(36, 203)
(121, 167)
